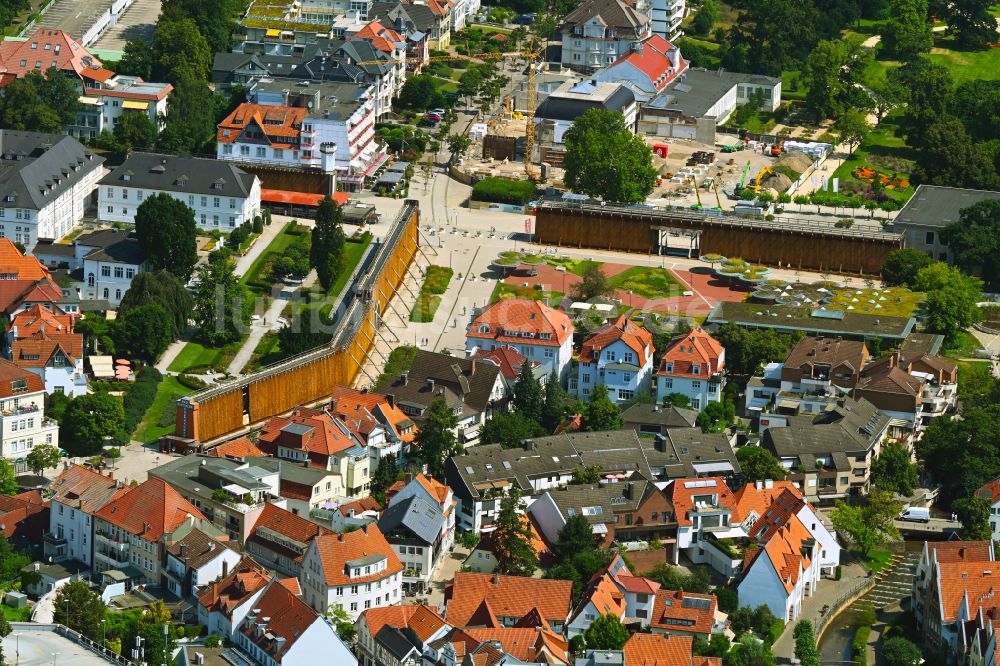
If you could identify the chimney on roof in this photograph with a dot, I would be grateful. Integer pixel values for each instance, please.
(660, 443)
(758, 485)
(225, 568)
(496, 578)
(768, 483)
(404, 377)
(637, 47)
(183, 550)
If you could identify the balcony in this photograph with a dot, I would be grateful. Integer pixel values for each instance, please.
(115, 557)
(19, 411)
(52, 539)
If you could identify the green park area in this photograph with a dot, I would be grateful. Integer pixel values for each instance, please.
(160, 418)
(891, 302)
(885, 154)
(647, 281)
(435, 283)
(261, 275)
(504, 290)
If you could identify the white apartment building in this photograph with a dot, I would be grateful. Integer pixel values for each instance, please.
(104, 102)
(110, 259)
(353, 571)
(22, 412)
(666, 17)
(221, 195)
(692, 366)
(47, 182)
(619, 356)
(325, 127)
(598, 32)
(77, 493)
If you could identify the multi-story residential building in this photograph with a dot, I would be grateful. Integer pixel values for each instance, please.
(23, 423)
(231, 494)
(680, 613)
(818, 371)
(782, 572)
(481, 476)
(282, 630)
(537, 331)
(940, 584)
(46, 180)
(221, 195)
(135, 526)
(619, 356)
(106, 96)
(556, 114)
(472, 388)
(381, 630)
(693, 366)
(614, 590)
(353, 571)
(280, 540)
(666, 16)
(991, 493)
(421, 530)
(376, 420)
(598, 32)
(647, 68)
(109, 260)
(303, 489)
(55, 356)
(912, 388)
(77, 494)
(704, 510)
(830, 455)
(511, 598)
(223, 604)
(196, 560)
(318, 439)
(931, 209)
(326, 127)
(433, 19)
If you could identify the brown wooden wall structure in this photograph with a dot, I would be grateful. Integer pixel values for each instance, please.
(808, 244)
(291, 180)
(313, 375)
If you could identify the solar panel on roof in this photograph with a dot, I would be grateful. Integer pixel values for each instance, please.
(694, 602)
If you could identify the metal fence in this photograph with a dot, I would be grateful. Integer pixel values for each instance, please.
(77, 638)
(844, 600)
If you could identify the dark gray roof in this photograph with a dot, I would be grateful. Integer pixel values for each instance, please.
(668, 416)
(173, 173)
(50, 248)
(936, 206)
(337, 100)
(396, 642)
(922, 343)
(852, 427)
(102, 238)
(421, 518)
(597, 503)
(307, 476)
(36, 168)
(698, 90)
(224, 64)
(197, 548)
(412, 17)
(462, 382)
(566, 108)
(616, 14)
(125, 251)
(791, 318)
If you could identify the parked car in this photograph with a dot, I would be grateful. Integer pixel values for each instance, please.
(916, 514)
(434, 117)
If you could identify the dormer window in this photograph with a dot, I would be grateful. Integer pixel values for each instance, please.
(669, 367)
(696, 369)
(484, 328)
(126, 177)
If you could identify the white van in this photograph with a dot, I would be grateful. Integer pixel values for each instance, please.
(916, 514)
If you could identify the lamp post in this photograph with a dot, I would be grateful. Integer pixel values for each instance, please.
(104, 635)
(17, 648)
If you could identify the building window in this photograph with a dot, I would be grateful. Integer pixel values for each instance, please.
(668, 383)
(216, 202)
(626, 376)
(626, 394)
(105, 271)
(696, 385)
(929, 238)
(245, 150)
(119, 271)
(129, 273)
(261, 151)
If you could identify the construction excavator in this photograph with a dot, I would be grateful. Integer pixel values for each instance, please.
(757, 184)
(743, 178)
(697, 193)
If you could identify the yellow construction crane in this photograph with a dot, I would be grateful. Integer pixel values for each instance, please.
(531, 56)
(697, 193)
(715, 186)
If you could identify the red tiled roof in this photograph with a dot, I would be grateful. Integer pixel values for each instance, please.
(682, 492)
(301, 198)
(509, 596)
(336, 550)
(38, 350)
(670, 612)
(510, 360)
(362, 411)
(509, 319)
(785, 552)
(658, 650)
(274, 121)
(289, 617)
(12, 261)
(11, 373)
(636, 338)
(149, 510)
(962, 551)
(309, 430)
(654, 61)
(360, 506)
(694, 348)
(532, 645)
(83, 488)
(423, 621)
(235, 448)
(225, 595)
(978, 582)
(24, 516)
(47, 46)
(287, 523)
(40, 317)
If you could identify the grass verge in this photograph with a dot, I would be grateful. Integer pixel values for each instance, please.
(435, 283)
(646, 281)
(154, 424)
(877, 560)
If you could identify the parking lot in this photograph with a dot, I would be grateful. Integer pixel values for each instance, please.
(35, 648)
(138, 22)
(74, 16)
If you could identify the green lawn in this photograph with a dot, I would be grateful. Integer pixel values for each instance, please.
(899, 302)
(167, 394)
(884, 152)
(194, 355)
(353, 252)
(268, 351)
(965, 65)
(648, 282)
(435, 283)
(504, 290)
(574, 266)
(963, 346)
(877, 560)
(17, 614)
(280, 243)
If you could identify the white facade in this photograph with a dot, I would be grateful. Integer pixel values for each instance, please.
(118, 203)
(550, 357)
(73, 525)
(699, 391)
(108, 280)
(667, 16)
(354, 598)
(55, 219)
(219, 624)
(23, 425)
(176, 571)
(762, 585)
(63, 375)
(594, 45)
(611, 370)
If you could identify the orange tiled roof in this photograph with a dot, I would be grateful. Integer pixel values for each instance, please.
(361, 412)
(225, 595)
(534, 645)
(47, 46)
(12, 262)
(360, 506)
(658, 650)
(273, 121)
(289, 617)
(979, 582)
(83, 488)
(149, 510)
(635, 337)
(670, 612)
(962, 551)
(682, 492)
(423, 621)
(14, 293)
(11, 373)
(509, 596)
(310, 430)
(236, 448)
(605, 596)
(287, 523)
(509, 319)
(510, 360)
(24, 515)
(654, 61)
(750, 498)
(694, 348)
(784, 549)
(40, 317)
(336, 550)
(38, 350)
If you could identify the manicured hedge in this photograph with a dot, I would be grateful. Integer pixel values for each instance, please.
(502, 190)
(141, 396)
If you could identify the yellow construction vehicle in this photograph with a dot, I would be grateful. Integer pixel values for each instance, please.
(715, 186)
(756, 184)
(697, 193)
(531, 55)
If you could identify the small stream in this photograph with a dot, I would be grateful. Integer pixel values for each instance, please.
(896, 586)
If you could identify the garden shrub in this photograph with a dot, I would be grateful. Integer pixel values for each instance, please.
(501, 190)
(141, 396)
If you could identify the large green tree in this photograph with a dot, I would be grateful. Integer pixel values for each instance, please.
(952, 298)
(575, 537)
(386, 474)
(135, 131)
(528, 393)
(328, 240)
(8, 479)
(601, 414)
(893, 470)
(43, 457)
(88, 420)
(167, 234)
(759, 464)
(901, 267)
(137, 59)
(869, 524)
(833, 75)
(216, 20)
(76, 607)
(899, 651)
(852, 127)
(161, 288)
(948, 156)
(605, 159)
(509, 429)
(178, 45)
(512, 538)
(554, 404)
(40, 103)
(222, 305)
(748, 348)
(962, 454)
(907, 30)
(974, 512)
(191, 121)
(435, 441)
(974, 240)
(972, 23)
(145, 331)
(593, 284)
(976, 104)
(606, 633)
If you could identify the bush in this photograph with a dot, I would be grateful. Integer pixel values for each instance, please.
(141, 396)
(838, 573)
(859, 646)
(191, 382)
(502, 190)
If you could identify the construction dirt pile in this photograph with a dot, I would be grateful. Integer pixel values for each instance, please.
(778, 182)
(795, 160)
